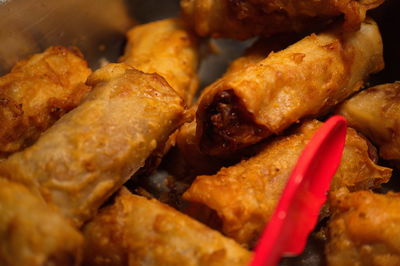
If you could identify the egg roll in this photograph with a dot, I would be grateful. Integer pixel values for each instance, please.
(94, 149)
(244, 196)
(189, 159)
(37, 92)
(376, 113)
(248, 18)
(167, 48)
(364, 229)
(32, 233)
(304, 80)
(139, 231)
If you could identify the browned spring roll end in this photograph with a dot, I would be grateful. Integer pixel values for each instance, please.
(225, 125)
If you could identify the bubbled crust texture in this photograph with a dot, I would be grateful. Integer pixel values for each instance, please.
(364, 229)
(167, 48)
(137, 231)
(244, 196)
(37, 92)
(243, 19)
(305, 79)
(32, 233)
(90, 152)
(376, 113)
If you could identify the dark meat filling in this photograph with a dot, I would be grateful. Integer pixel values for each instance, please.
(229, 126)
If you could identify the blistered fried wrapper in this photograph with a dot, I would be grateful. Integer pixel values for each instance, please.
(167, 48)
(37, 92)
(243, 197)
(32, 233)
(376, 113)
(139, 231)
(364, 229)
(248, 18)
(304, 80)
(90, 152)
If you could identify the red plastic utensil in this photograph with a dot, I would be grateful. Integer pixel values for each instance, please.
(305, 193)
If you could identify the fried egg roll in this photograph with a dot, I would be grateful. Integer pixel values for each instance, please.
(244, 196)
(91, 151)
(248, 18)
(37, 92)
(364, 229)
(32, 233)
(139, 231)
(192, 160)
(305, 80)
(376, 113)
(167, 48)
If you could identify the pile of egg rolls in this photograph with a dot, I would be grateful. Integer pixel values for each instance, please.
(76, 145)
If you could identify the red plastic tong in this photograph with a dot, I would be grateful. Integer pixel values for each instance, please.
(305, 193)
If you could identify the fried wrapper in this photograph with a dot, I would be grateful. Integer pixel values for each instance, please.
(32, 233)
(139, 231)
(364, 229)
(305, 80)
(91, 151)
(244, 196)
(248, 18)
(37, 92)
(376, 113)
(188, 158)
(167, 48)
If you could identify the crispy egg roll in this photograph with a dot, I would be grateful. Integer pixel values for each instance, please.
(245, 195)
(192, 160)
(37, 92)
(139, 231)
(376, 113)
(364, 229)
(32, 233)
(248, 18)
(305, 80)
(91, 151)
(167, 48)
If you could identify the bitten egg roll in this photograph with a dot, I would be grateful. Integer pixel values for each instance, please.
(32, 233)
(245, 195)
(167, 48)
(139, 231)
(376, 113)
(305, 80)
(37, 92)
(364, 229)
(248, 18)
(91, 151)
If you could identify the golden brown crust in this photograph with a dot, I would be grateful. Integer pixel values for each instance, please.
(167, 48)
(37, 92)
(376, 113)
(91, 151)
(245, 195)
(32, 233)
(364, 229)
(188, 160)
(243, 19)
(139, 231)
(306, 79)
